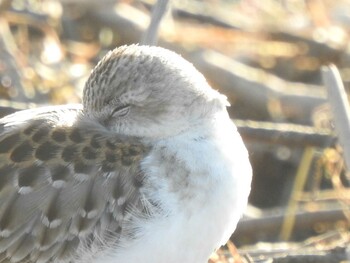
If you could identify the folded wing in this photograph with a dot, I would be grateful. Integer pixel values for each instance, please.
(66, 184)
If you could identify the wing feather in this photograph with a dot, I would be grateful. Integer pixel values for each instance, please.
(65, 183)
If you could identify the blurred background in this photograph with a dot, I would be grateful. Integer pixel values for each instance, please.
(265, 56)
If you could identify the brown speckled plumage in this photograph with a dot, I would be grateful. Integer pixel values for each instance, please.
(61, 183)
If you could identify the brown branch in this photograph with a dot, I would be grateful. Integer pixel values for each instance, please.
(327, 248)
(236, 79)
(268, 225)
(285, 133)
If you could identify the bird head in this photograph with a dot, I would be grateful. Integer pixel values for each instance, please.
(149, 92)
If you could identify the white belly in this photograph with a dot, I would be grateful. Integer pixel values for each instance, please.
(204, 194)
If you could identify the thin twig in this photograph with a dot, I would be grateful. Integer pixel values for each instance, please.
(150, 37)
(299, 183)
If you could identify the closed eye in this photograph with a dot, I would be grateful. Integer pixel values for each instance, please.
(121, 111)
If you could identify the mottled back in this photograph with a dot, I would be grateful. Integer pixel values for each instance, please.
(66, 184)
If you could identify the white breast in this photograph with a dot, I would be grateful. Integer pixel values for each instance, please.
(203, 185)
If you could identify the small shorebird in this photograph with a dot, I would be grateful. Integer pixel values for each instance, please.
(149, 169)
